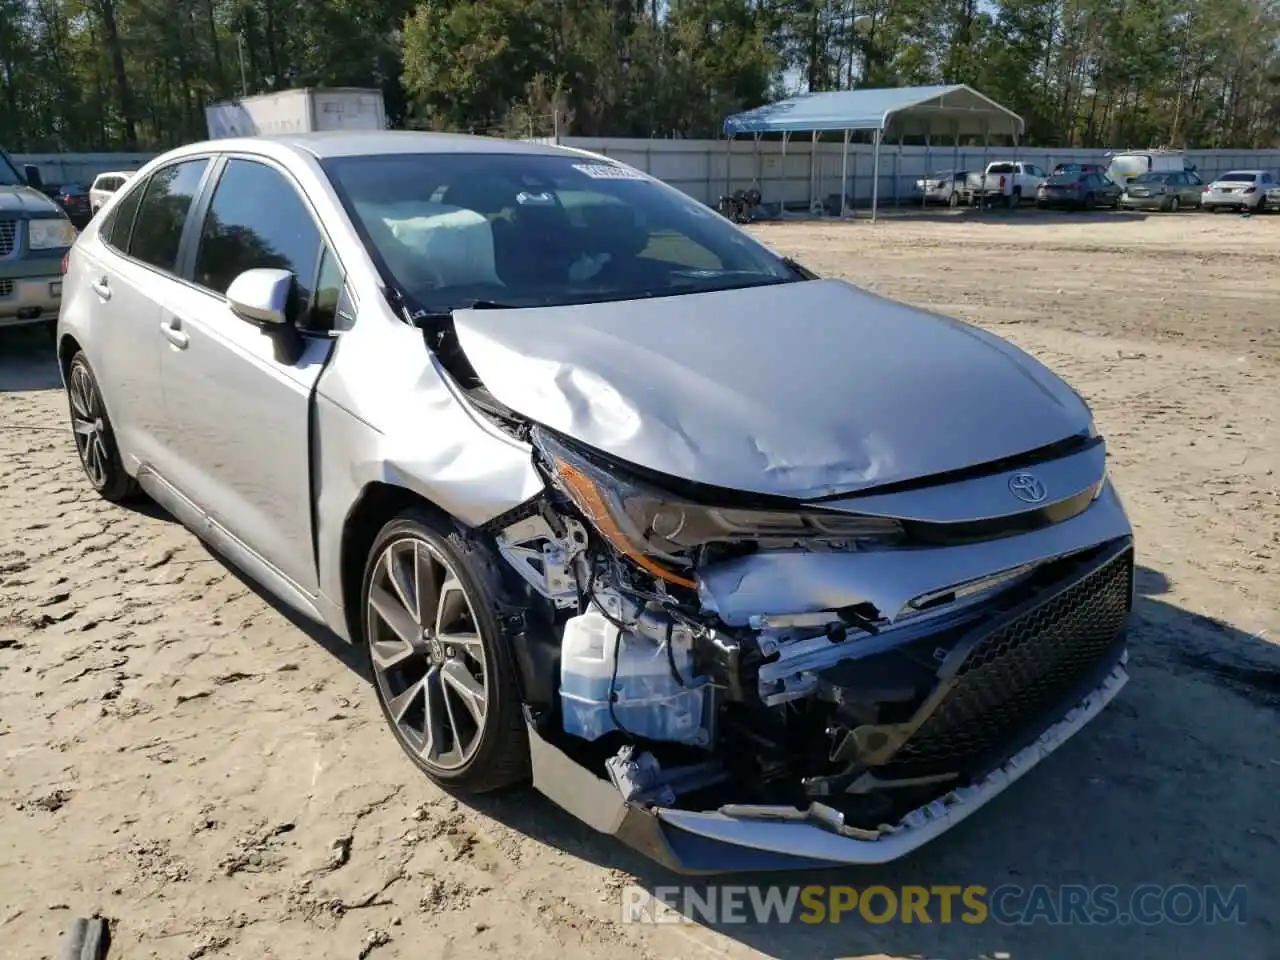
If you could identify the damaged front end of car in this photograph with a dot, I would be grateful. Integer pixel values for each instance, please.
(732, 681)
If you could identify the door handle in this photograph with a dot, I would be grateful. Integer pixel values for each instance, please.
(101, 289)
(173, 333)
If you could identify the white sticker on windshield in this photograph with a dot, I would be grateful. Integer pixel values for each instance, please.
(608, 171)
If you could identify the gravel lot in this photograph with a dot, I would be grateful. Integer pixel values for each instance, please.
(181, 756)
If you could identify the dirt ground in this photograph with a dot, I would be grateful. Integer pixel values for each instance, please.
(182, 757)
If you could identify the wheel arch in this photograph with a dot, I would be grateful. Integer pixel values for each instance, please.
(68, 347)
(376, 505)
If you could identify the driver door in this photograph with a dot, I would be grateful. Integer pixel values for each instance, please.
(239, 407)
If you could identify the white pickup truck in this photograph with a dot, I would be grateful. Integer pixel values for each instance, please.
(1008, 180)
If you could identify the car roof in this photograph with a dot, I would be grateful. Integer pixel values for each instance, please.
(361, 143)
(1245, 170)
(115, 173)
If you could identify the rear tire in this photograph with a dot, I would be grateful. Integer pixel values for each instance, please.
(953, 200)
(1089, 201)
(1015, 199)
(443, 675)
(94, 437)
(1174, 204)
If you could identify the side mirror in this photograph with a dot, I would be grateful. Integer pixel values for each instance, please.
(261, 296)
(32, 174)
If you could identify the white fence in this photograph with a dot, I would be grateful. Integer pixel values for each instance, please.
(705, 169)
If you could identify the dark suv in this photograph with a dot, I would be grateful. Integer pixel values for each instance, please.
(35, 234)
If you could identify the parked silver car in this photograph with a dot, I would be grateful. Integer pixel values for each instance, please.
(1243, 190)
(946, 186)
(747, 567)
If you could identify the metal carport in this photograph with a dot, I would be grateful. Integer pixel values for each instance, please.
(956, 109)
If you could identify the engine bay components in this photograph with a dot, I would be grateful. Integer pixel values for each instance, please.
(615, 679)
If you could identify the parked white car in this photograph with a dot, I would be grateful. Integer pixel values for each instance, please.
(943, 187)
(1239, 190)
(104, 185)
(1014, 181)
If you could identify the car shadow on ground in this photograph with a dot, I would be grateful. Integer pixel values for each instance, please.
(27, 360)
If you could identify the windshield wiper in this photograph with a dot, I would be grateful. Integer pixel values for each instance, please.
(805, 272)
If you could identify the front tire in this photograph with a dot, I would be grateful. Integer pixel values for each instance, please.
(444, 678)
(95, 439)
(1174, 204)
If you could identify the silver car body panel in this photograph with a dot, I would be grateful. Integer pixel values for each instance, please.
(782, 582)
(798, 390)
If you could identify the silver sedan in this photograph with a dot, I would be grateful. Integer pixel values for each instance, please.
(944, 187)
(751, 568)
(1243, 190)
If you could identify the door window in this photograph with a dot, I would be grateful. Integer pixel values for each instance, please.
(118, 227)
(257, 219)
(157, 230)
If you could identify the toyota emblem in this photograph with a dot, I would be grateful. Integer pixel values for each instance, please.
(1027, 487)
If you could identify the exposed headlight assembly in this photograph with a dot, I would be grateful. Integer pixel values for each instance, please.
(51, 233)
(656, 530)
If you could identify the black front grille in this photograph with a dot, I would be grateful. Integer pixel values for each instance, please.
(8, 236)
(1013, 678)
(6, 288)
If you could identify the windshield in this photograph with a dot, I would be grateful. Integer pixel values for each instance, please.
(1153, 178)
(9, 176)
(539, 230)
(1239, 177)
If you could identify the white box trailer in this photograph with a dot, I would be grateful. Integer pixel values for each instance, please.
(303, 110)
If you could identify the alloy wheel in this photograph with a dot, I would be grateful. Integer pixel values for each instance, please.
(88, 425)
(427, 654)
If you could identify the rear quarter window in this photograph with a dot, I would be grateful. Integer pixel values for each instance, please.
(119, 224)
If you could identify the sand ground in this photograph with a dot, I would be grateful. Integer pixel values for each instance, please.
(179, 755)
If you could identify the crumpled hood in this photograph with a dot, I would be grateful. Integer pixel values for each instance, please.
(24, 200)
(798, 390)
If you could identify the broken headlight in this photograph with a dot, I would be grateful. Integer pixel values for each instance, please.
(657, 530)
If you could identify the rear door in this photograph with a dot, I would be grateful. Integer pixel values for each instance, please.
(1194, 187)
(240, 405)
(127, 276)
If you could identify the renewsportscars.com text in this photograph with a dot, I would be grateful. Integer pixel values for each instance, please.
(1009, 904)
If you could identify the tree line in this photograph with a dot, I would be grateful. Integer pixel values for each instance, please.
(100, 75)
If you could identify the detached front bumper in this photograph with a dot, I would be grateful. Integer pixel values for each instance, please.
(29, 299)
(761, 838)
(738, 838)
(1023, 680)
